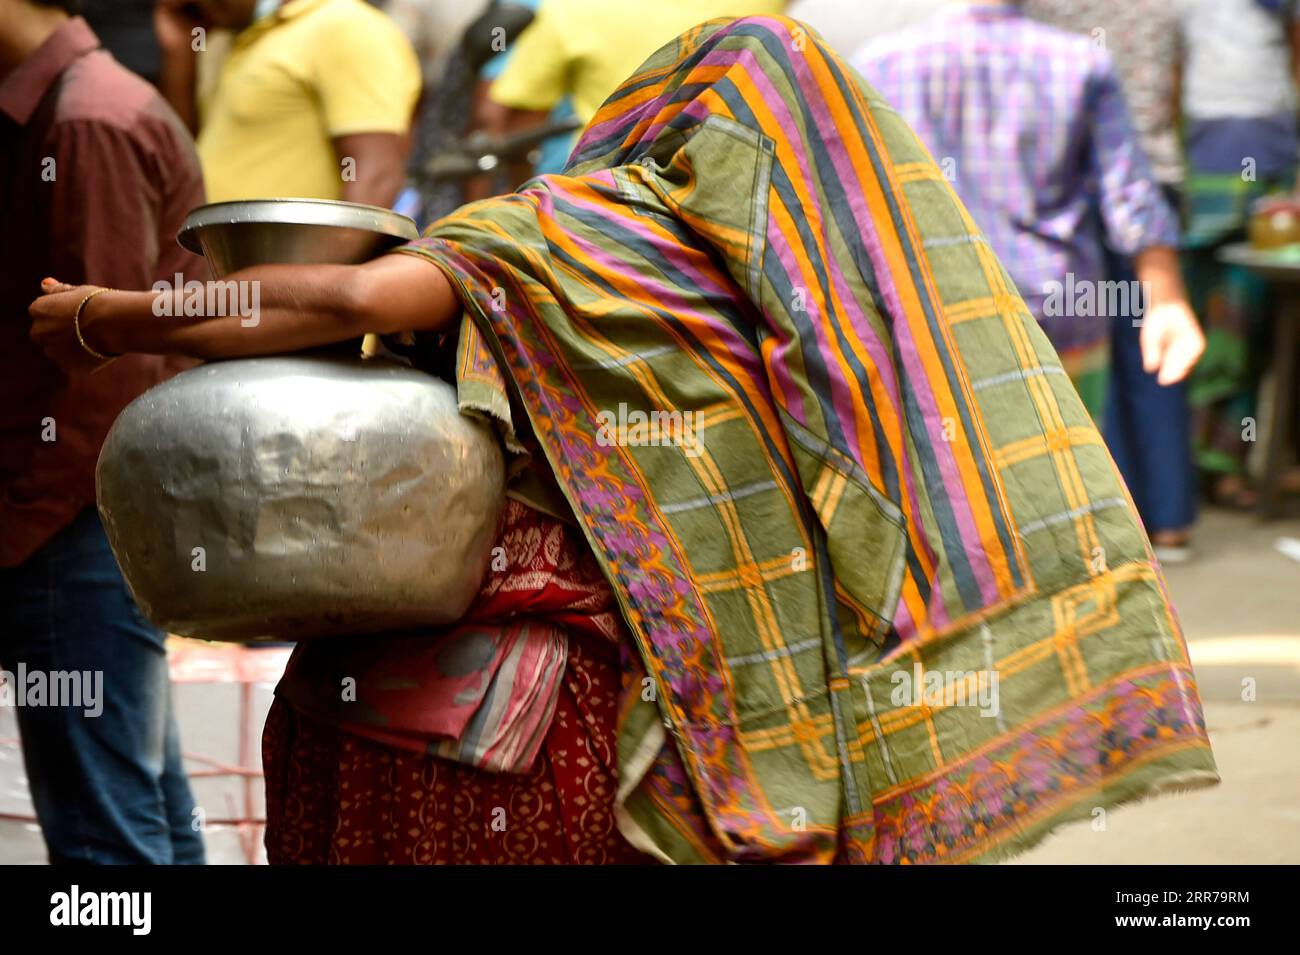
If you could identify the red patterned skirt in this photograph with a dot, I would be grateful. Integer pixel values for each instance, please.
(336, 798)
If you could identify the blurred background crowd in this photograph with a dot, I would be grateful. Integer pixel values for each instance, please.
(1119, 155)
(1174, 124)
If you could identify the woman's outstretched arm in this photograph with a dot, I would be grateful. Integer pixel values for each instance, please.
(293, 307)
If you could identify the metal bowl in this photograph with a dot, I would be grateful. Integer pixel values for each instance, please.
(236, 235)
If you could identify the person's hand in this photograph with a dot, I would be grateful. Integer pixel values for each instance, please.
(1171, 341)
(52, 325)
(174, 22)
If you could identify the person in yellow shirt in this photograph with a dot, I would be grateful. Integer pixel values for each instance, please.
(314, 98)
(586, 48)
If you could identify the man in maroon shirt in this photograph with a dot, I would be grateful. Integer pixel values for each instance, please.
(96, 176)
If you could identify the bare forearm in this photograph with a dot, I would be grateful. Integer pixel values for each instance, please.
(274, 309)
(380, 188)
(177, 83)
(1158, 270)
(284, 308)
(374, 165)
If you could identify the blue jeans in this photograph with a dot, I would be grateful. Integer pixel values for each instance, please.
(108, 786)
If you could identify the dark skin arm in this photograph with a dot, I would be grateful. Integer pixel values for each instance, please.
(498, 120)
(301, 306)
(489, 117)
(519, 121)
(379, 163)
(174, 22)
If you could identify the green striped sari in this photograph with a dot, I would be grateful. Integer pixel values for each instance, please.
(888, 599)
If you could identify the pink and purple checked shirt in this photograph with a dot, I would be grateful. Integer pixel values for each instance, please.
(1031, 126)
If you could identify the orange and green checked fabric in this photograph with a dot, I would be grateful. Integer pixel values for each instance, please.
(878, 473)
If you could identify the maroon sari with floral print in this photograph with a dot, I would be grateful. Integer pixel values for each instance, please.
(356, 779)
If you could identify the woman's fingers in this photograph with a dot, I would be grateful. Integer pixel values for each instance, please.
(53, 286)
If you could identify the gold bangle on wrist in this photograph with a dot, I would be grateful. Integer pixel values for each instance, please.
(76, 326)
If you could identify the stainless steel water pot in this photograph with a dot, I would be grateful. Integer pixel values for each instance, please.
(300, 496)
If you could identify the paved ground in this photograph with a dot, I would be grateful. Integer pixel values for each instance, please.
(1240, 605)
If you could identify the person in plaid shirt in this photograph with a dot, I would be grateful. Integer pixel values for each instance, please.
(1030, 125)
(1148, 426)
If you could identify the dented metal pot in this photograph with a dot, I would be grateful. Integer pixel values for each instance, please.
(300, 497)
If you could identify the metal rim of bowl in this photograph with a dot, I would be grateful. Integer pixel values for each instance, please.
(325, 212)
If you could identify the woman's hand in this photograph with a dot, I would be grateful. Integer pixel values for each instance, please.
(53, 328)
